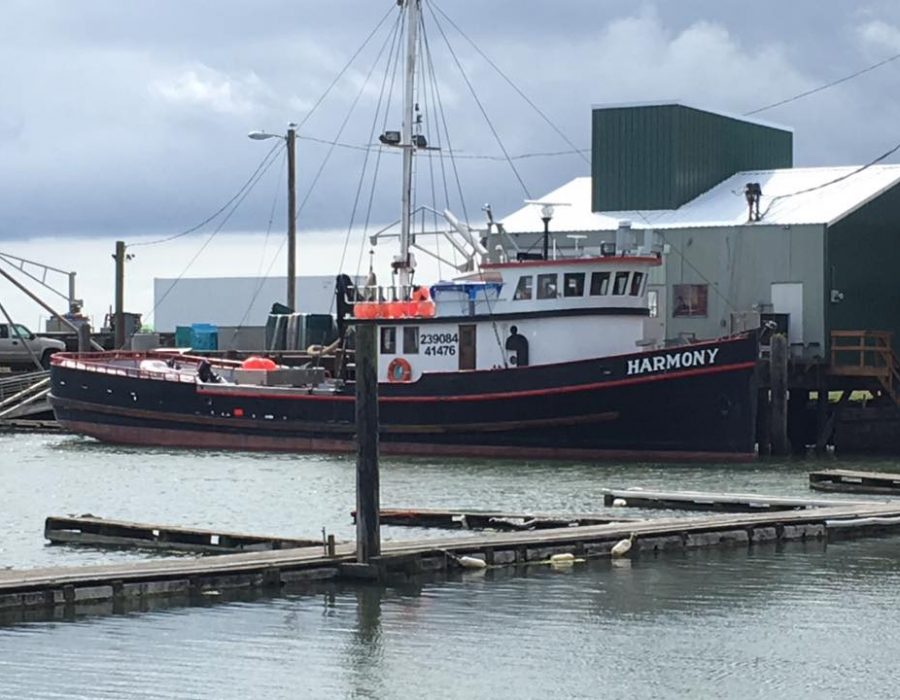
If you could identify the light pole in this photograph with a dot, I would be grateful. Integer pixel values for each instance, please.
(546, 215)
(290, 139)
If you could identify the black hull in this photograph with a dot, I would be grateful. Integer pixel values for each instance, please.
(595, 408)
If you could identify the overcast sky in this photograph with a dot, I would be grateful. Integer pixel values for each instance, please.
(129, 117)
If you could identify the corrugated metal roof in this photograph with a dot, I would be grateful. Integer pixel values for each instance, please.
(791, 196)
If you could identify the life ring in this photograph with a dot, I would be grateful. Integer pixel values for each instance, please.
(399, 370)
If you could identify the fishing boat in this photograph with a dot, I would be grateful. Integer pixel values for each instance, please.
(545, 355)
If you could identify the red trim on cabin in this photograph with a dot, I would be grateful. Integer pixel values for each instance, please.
(550, 391)
(618, 259)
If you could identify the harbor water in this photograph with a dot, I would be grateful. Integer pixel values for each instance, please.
(798, 620)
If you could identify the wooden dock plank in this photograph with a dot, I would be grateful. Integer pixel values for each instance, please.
(94, 531)
(712, 501)
(852, 481)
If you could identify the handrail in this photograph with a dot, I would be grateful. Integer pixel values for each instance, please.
(866, 353)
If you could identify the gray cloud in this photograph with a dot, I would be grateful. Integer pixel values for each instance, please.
(126, 118)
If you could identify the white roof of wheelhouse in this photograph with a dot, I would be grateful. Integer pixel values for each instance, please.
(790, 196)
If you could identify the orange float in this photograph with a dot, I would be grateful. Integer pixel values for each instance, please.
(256, 362)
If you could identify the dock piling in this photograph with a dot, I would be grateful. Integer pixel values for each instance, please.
(368, 536)
(778, 371)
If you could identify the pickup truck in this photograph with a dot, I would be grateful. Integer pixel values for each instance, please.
(16, 339)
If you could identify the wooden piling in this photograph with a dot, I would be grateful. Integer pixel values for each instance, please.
(84, 337)
(368, 539)
(778, 373)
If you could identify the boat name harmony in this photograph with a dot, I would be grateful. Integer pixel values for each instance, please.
(673, 360)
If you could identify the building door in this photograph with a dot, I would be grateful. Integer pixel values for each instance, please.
(467, 347)
(655, 324)
(787, 298)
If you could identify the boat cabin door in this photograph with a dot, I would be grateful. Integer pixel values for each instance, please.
(467, 346)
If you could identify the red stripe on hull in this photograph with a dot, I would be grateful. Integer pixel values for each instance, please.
(211, 390)
(161, 437)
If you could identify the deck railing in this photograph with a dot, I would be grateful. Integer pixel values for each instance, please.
(866, 354)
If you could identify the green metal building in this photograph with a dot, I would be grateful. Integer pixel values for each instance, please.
(824, 249)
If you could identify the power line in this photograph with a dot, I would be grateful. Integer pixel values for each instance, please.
(825, 86)
(263, 165)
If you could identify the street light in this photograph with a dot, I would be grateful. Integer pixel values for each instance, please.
(290, 139)
(546, 215)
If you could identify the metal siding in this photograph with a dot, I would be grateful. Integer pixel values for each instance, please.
(740, 263)
(863, 252)
(661, 156)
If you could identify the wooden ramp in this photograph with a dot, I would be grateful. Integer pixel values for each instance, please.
(90, 530)
(849, 481)
(709, 501)
(272, 570)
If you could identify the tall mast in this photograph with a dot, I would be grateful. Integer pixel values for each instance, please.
(403, 267)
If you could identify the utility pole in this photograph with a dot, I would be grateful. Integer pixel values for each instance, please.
(120, 295)
(292, 218)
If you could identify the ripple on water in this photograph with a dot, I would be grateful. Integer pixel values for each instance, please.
(799, 620)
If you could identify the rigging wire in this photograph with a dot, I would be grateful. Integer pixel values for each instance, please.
(515, 87)
(345, 68)
(381, 150)
(480, 105)
(436, 89)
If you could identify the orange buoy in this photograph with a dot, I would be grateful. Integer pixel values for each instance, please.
(399, 370)
(365, 310)
(426, 309)
(256, 362)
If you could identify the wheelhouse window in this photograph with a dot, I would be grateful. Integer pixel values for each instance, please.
(690, 300)
(389, 340)
(620, 285)
(573, 284)
(411, 340)
(524, 289)
(636, 282)
(599, 284)
(547, 286)
(653, 303)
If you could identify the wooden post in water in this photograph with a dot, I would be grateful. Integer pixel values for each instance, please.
(84, 337)
(778, 374)
(368, 535)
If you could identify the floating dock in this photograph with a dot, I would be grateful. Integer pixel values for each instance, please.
(93, 531)
(709, 501)
(487, 520)
(849, 481)
(22, 590)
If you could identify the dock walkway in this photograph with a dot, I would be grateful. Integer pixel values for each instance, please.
(710, 501)
(272, 570)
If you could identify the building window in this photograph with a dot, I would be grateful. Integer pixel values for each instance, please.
(653, 303)
(599, 284)
(388, 340)
(546, 286)
(411, 340)
(689, 300)
(636, 283)
(523, 288)
(620, 286)
(573, 284)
